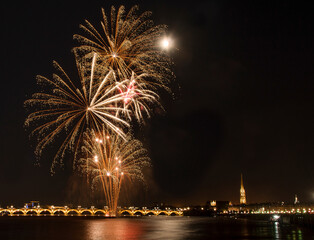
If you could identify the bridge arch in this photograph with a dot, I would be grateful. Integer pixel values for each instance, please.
(73, 212)
(18, 211)
(87, 212)
(151, 213)
(126, 212)
(45, 211)
(100, 212)
(161, 213)
(4, 211)
(31, 211)
(59, 212)
(138, 213)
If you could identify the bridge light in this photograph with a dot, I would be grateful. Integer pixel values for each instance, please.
(119, 162)
(96, 158)
(107, 137)
(100, 141)
(122, 173)
(108, 174)
(97, 139)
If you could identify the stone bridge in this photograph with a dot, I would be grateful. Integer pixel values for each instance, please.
(65, 211)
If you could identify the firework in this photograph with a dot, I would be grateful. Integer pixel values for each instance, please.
(110, 161)
(136, 98)
(67, 109)
(128, 44)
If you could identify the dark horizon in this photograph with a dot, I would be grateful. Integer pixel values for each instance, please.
(242, 103)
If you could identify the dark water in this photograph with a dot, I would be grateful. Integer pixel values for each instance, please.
(160, 227)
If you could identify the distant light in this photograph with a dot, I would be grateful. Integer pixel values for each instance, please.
(122, 173)
(114, 55)
(166, 43)
(108, 174)
(276, 217)
(119, 161)
(96, 158)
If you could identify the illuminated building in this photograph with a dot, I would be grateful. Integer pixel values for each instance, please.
(242, 193)
(32, 204)
(218, 206)
(296, 200)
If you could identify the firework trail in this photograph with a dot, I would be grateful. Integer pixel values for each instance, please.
(128, 44)
(67, 108)
(110, 161)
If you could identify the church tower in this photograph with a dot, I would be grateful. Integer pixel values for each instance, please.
(242, 192)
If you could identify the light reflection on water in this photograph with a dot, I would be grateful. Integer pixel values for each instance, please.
(146, 228)
(170, 228)
(139, 228)
(117, 229)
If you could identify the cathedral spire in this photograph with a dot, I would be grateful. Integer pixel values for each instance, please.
(242, 192)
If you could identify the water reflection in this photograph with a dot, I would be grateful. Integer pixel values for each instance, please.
(115, 229)
(297, 235)
(276, 226)
(139, 228)
(170, 228)
(175, 228)
(145, 228)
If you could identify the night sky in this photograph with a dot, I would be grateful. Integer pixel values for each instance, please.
(242, 102)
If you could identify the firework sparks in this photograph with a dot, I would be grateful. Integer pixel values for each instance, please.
(69, 108)
(119, 70)
(136, 99)
(128, 44)
(110, 161)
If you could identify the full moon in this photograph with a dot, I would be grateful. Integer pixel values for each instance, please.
(165, 43)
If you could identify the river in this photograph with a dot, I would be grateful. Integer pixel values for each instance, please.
(147, 227)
